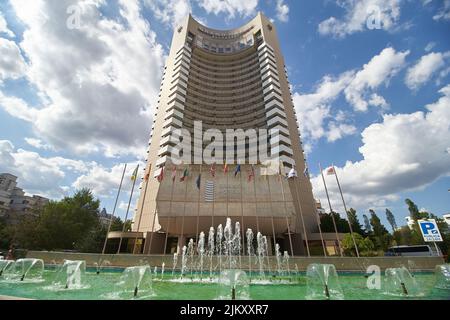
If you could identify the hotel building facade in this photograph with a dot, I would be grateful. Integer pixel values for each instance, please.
(234, 79)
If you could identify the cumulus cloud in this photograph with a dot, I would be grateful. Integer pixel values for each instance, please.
(378, 71)
(399, 154)
(170, 12)
(38, 144)
(12, 64)
(425, 68)
(105, 181)
(357, 86)
(357, 15)
(282, 11)
(100, 81)
(37, 174)
(231, 8)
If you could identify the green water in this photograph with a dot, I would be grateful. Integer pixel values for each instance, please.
(105, 286)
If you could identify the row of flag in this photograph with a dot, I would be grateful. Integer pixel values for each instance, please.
(251, 173)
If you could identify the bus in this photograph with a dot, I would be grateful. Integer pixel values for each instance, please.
(412, 251)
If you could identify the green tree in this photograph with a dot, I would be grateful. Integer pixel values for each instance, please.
(367, 226)
(365, 245)
(380, 235)
(65, 224)
(326, 223)
(391, 219)
(354, 222)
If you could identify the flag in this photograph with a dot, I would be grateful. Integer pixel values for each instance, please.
(209, 191)
(185, 175)
(135, 173)
(213, 170)
(292, 173)
(330, 171)
(174, 174)
(306, 172)
(238, 170)
(198, 182)
(251, 174)
(225, 168)
(161, 175)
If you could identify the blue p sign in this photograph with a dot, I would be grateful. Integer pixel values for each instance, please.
(430, 231)
(428, 228)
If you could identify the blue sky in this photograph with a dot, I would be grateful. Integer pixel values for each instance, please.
(76, 103)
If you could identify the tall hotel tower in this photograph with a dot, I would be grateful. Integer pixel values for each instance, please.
(234, 79)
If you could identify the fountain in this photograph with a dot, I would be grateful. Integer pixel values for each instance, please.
(219, 238)
(190, 252)
(136, 279)
(6, 266)
(163, 266)
(201, 251)
(249, 235)
(175, 261)
(286, 264)
(399, 281)
(278, 256)
(211, 250)
(101, 263)
(233, 285)
(442, 274)
(260, 252)
(323, 282)
(31, 269)
(183, 261)
(70, 275)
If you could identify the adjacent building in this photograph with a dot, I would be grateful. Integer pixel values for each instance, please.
(14, 203)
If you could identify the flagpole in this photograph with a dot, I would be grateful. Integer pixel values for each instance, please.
(170, 210)
(242, 224)
(331, 211)
(273, 228)
(146, 179)
(184, 209)
(346, 213)
(301, 216)
(287, 220)
(114, 210)
(198, 206)
(317, 215)
(128, 210)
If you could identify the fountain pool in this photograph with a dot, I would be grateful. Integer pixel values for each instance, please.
(105, 286)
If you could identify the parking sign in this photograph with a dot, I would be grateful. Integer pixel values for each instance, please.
(430, 231)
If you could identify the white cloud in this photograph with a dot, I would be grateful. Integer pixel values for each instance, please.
(425, 68)
(4, 27)
(12, 64)
(38, 144)
(105, 182)
(399, 154)
(314, 109)
(37, 174)
(444, 12)
(282, 11)
(379, 70)
(170, 12)
(18, 108)
(358, 12)
(230, 7)
(99, 82)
